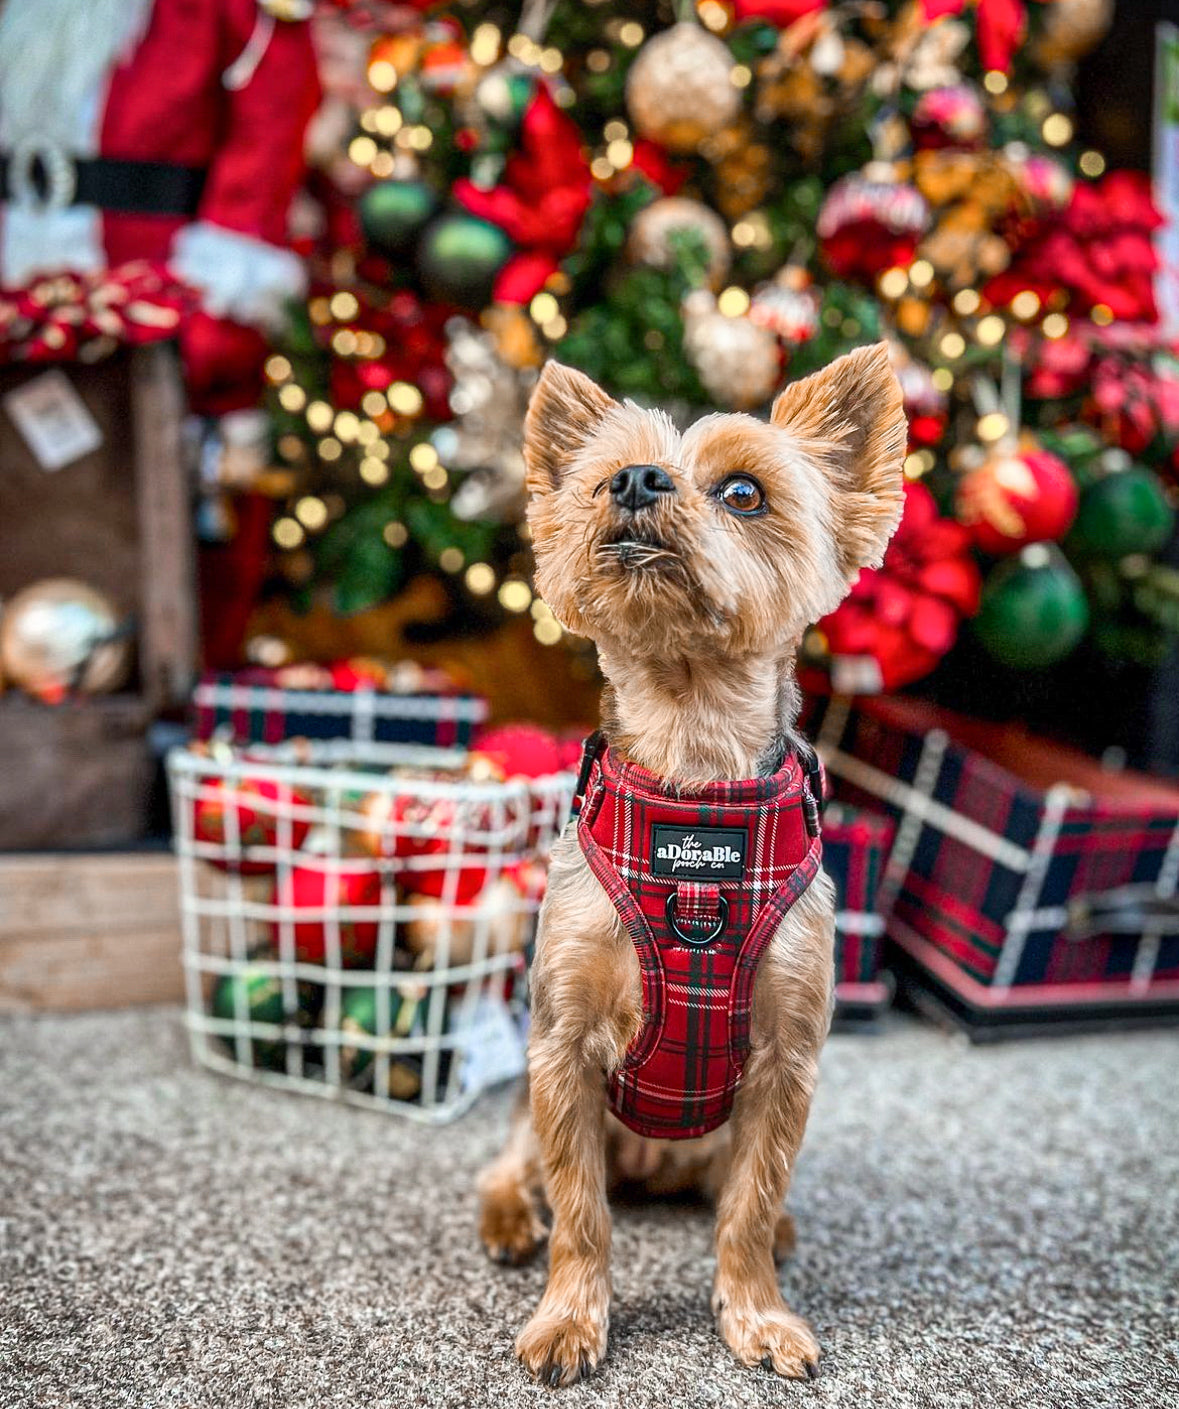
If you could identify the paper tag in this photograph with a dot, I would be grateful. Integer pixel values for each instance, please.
(494, 1046)
(53, 420)
(856, 675)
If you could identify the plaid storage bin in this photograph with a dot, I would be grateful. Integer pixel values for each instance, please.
(1027, 886)
(855, 849)
(253, 713)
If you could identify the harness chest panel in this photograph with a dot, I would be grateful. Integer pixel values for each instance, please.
(701, 881)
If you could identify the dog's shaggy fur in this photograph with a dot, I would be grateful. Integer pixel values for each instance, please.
(697, 614)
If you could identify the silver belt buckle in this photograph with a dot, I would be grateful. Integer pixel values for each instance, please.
(42, 157)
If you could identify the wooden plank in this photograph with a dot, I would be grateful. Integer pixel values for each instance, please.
(167, 571)
(88, 894)
(52, 970)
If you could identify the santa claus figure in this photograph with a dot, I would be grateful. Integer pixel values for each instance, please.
(168, 130)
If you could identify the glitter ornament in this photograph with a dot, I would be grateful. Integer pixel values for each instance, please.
(953, 116)
(680, 89)
(738, 362)
(868, 226)
(650, 235)
(1015, 497)
(59, 636)
(1033, 611)
(788, 306)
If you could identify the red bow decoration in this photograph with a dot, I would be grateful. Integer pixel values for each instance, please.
(776, 12)
(1099, 249)
(905, 614)
(61, 317)
(1001, 26)
(541, 201)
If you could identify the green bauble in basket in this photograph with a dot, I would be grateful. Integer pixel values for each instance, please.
(1125, 511)
(1034, 610)
(257, 994)
(459, 257)
(359, 1011)
(394, 213)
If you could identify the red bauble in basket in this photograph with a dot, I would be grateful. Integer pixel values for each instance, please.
(316, 889)
(1015, 497)
(255, 804)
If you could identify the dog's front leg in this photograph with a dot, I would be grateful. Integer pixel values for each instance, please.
(769, 1117)
(566, 1338)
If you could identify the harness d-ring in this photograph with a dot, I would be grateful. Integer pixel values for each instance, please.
(698, 942)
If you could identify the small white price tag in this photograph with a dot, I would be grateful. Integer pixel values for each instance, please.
(856, 675)
(495, 1046)
(53, 419)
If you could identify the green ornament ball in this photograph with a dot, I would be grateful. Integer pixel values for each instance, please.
(1122, 513)
(359, 1013)
(1034, 610)
(459, 257)
(259, 994)
(394, 213)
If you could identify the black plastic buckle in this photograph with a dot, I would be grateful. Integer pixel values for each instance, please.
(812, 793)
(590, 750)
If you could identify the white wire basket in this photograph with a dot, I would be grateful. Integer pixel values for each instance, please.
(356, 917)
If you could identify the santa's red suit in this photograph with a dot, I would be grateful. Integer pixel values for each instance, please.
(161, 129)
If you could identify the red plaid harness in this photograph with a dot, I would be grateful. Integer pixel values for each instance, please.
(701, 881)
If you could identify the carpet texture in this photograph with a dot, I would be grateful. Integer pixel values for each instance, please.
(976, 1228)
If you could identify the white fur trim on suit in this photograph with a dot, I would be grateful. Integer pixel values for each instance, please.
(239, 277)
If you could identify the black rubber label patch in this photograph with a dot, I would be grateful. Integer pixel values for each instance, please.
(698, 853)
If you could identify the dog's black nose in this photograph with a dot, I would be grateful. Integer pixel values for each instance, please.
(637, 487)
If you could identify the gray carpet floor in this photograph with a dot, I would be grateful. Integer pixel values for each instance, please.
(977, 1228)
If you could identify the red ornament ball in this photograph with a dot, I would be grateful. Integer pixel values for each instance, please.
(324, 893)
(1017, 497)
(255, 806)
(519, 750)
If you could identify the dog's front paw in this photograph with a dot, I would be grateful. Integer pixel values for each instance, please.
(560, 1349)
(773, 1337)
(509, 1227)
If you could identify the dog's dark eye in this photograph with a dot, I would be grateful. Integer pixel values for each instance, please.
(741, 494)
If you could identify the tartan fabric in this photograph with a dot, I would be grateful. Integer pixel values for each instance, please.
(679, 1077)
(962, 906)
(254, 713)
(855, 846)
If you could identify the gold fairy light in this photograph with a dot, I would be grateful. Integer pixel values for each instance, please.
(423, 456)
(893, 282)
(740, 75)
(320, 416)
(552, 61)
(311, 512)
(995, 82)
(278, 369)
(966, 302)
(713, 16)
(435, 478)
(388, 120)
(287, 532)
(733, 302)
(1055, 326)
(993, 426)
(329, 449)
(404, 399)
(395, 534)
(382, 76)
(292, 398)
(1102, 314)
(372, 403)
(344, 306)
(942, 378)
(480, 579)
(921, 274)
(953, 345)
(615, 130)
(597, 60)
(382, 165)
(1025, 304)
(555, 328)
(620, 153)
(373, 471)
(547, 631)
(1057, 130)
(451, 559)
(344, 342)
(543, 307)
(515, 595)
(601, 169)
(990, 330)
(485, 42)
(361, 150)
(1092, 164)
(347, 426)
(631, 34)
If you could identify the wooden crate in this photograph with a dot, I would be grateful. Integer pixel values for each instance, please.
(119, 519)
(88, 931)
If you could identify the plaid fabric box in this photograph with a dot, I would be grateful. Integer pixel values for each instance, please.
(255, 713)
(1027, 885)
(855, 849)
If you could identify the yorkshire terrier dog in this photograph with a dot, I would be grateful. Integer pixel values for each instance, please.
(682, 985)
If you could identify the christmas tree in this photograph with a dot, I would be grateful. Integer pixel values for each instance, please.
(692, 203)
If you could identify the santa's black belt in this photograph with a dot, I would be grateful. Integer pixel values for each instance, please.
(48, 178)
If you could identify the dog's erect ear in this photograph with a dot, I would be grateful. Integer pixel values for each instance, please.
(565, 408)
(851, 416)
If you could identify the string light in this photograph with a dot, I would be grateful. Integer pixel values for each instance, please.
(601, 169)
(372, 403)
(620, 153)
(382, 76)
(597, 60)
(388, 120)
(942, 378)
(1057, 130)
(1102, 314)
(966, 302)
(552, 61)
(893, 282)
(480, 579)
(953, 345)
(713, 16)
(329, 449)
(1092, 164)
(373, 471)
(292, 398)
(543, 307)
(347, 426)
(740, 75)
(733, 302)
(515, 595)
(993, 426)
(1055, 326)
(435, 478)
(615, 130)
(320, 416)
(288, 533)
(1026, 304)
(555, 328)
(395, 534)
(990, 330)
(311, 512)
(405, 399)
(630, 34)
(344, 306)
(361, 150)
(995, 81)
(382, 164)
(423, 456)
(547, 631)
(485, 42)
(278, 369)
(921, 274)
(451, 559)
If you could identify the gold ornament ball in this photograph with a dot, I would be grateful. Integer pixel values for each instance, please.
(650, 232)
(738, 362)
(680, 89)
(55, 637)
